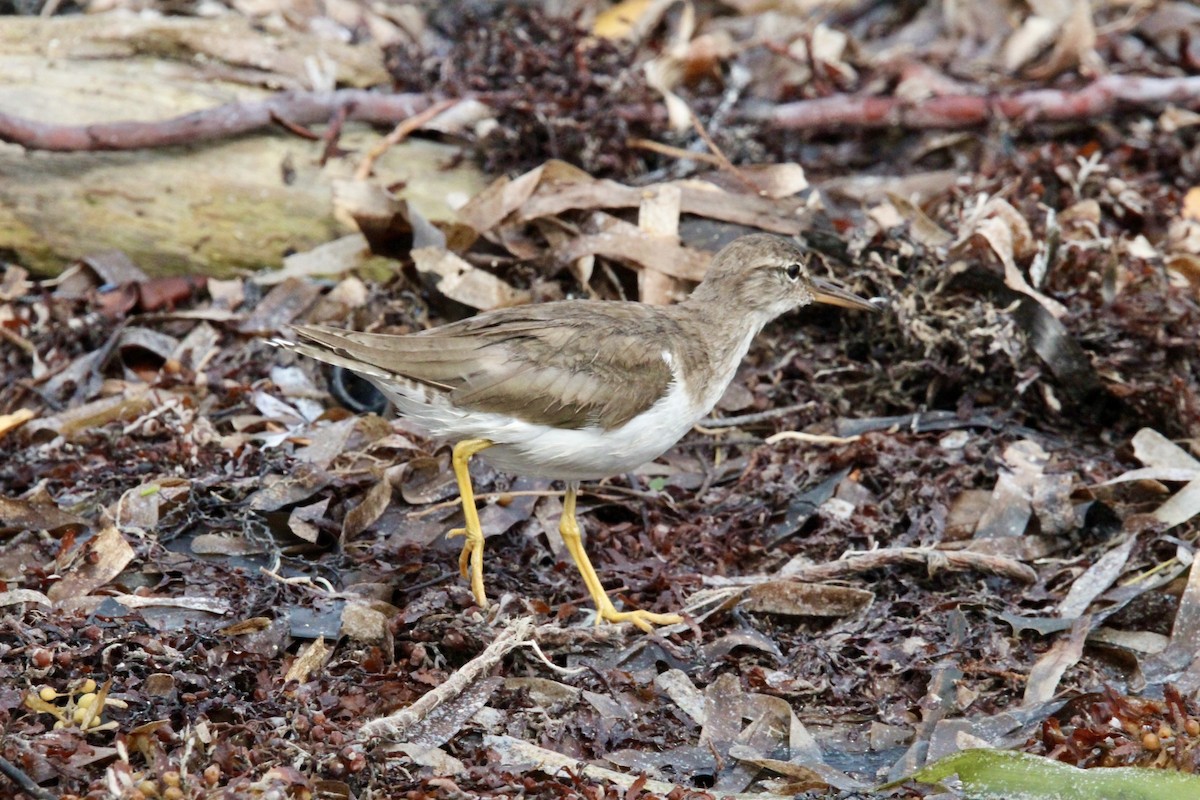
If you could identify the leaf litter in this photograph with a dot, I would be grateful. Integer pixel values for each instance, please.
(974, 526)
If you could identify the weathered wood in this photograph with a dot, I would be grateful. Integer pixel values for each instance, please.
(214, 208)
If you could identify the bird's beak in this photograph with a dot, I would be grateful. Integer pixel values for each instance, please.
(825, 292)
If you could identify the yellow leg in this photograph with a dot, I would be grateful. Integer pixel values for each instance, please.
(472, 552)
(605, 610)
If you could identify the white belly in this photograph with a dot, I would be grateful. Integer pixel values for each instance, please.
(525, 448)
(529, 448)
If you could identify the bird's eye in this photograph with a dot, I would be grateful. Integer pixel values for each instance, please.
(792, 271)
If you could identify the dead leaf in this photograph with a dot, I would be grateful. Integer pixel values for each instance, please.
(1166, 461)
(10, 422)
(282, 305)
(211, 605)
(16, 596)
(1074, 46)
(28, 515)
(217, 544)
(302, 521)
(310, 659)
(1049, 668)
(374, 503)
(130, 404)
(676, 684)
(94, 564)
(301, 484)
(659, 216)
(14, 283)
(141, 507)
(920, 226)
(629, 19)
(364, 622)
(464, 283)
(622, 241)
(1011, 505)
(1096, 579)
(246, 626)
(331, 258)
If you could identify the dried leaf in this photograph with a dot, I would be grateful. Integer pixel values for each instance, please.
(676, 684)
(130, 404)
(373, 504)
(10, 422)
(464, 283)
(659, 216)
(622, 241)
(310, 659)
(1166, 462)
(95, 563)
(546, 693)
(1074, 46)
(211, 605)
(327, 442)
(921, 227)
(517, 754)
(15, 596)
(1183, 506)
(27, 515)
(1012, 498)
(301, 484)
(302, 520)
(1155, 450)
(1096, 579)
(629, 19)
(1048, 670)
(282, 305)
(216, 544)
(141, 507)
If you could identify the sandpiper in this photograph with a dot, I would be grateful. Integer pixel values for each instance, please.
(579, 389)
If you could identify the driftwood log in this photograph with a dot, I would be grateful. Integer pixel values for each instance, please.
(211, 208)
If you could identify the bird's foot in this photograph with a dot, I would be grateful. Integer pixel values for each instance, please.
(470, 561)
(646, 620)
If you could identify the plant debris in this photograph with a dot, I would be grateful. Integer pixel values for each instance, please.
(904, 545)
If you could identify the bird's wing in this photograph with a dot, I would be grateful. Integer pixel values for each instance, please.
(568, 367)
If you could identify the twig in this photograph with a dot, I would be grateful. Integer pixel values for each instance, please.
(536, 648)
(674, 152)
(333, 132)
(393, 726)
(1096, 100)
(23, 781)
(756, 418)
(218, 122)
(810, 438)
(398, 135)
(513, 752)
(936, 560)
(722, 159)
(320, 584)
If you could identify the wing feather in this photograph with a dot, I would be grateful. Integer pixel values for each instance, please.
(568, 364)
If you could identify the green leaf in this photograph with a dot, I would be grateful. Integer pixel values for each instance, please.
(1007, 775)
(657, 484)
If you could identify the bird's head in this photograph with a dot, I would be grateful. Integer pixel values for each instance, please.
(768, 275)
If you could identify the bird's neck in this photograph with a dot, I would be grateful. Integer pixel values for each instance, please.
(714, 342)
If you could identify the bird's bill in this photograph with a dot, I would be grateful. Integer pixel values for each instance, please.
(828, 293)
